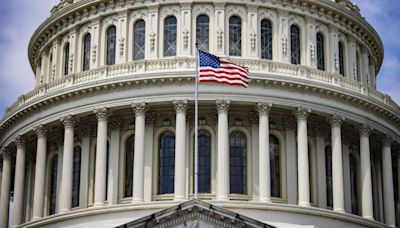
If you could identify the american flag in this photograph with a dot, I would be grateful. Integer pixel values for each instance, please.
(215, 69)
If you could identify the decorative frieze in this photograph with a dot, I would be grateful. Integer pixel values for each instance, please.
(223, 105)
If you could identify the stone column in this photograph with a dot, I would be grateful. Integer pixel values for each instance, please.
(337, 163)
(302, 157)
(101, 157)
(223, 150)
(19, 183)
(180, 146)
(67, 168)
(5, 187)
(40, 172)
(291, 164)
(138, 173)
(366, 181)
(264, 153)
(388, 191)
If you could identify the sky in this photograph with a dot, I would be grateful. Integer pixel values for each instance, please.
(19, 19)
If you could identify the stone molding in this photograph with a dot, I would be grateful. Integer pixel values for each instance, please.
(223, 105)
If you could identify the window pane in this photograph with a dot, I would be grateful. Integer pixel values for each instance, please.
(86, 52)
(274, 151)
(266, 39)
(237, 162)
(204, 162)
(170, 27)
(353, 185)
(66, 59)
(76, 176)
(320, 52)
(235, 36)
(111, 45)
(341, 59)
(167, 163)
(53, 185)
(295, 44)
(328, 170)
(358, 66)
(202, 32)
(129, 156)
(140, 37)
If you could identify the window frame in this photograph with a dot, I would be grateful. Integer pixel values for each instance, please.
(164, 42)
(135, 38)
(239, 35)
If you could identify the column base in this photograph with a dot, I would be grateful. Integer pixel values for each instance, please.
(137, 200)
(222, 198)
(265, 200)
(98, 204)
(304, 204)
(64, 210)
(368, 217)
(339, 210)
(179, 198)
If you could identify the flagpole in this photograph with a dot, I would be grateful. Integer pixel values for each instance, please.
(196, 123)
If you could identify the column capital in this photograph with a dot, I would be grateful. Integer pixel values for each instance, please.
(6, 154)
(40, 130)
(365, 130)
(223, 105)
(302, 113)
(19, 141)
(336, 121)
(69, 121)
(387, 141)
(180, 105)
(263, 108)
(139, 108)
(102, 114)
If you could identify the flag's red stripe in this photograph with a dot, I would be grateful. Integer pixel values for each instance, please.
(222, 71)
(223, 79)
(226, 62)
(226, 83)
(224, 76)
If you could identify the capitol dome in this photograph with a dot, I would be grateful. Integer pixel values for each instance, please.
(106, 137)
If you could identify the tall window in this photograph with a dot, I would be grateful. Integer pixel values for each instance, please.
(320, 52)
(235, 36)
(53, 185)
(341, 59)
(111, 40)
(274, 154)
(76, 176)
(66, 59)
(204, 162)
(266, 39)
(170, 27)
(237, 162)
(295, 45)
(129, 156)
(86, 51)
(353, 184)
(167, 163)
(358, 66)
(50, 74)
(139, 40)
(202, 32)
(328, 174)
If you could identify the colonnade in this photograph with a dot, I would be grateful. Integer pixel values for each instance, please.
(222, 192)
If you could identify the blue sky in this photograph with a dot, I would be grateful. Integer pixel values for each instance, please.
(19, 19)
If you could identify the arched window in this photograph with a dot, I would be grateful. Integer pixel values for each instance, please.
(237, 162)
(66, 59)
(139, 40)
(86, 51)
(204, 161)
(358, 66)
(274, 154)
(76, 176)
(266, 39)
(320, 52)
(235, 36)
(167, 163)
(129, 156)
(53, 185)
(295, 45)
(170, 33)
(111, 40)
(202, 32)
(328, 174)
(353, 184)
(341, 59)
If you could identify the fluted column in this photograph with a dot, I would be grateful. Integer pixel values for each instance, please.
(366, 185)
(337, 163)
(40, 172)
(67, 168)
(138, 173)
(180, 147)
(19, 182)
(264, 153)
(223, 150)
(388, 191)
(101, 157)
(5, 187)
(302, 157)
